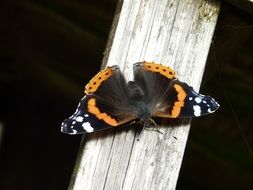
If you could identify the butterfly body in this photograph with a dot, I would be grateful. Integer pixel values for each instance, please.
(137, 101)
(111, 101)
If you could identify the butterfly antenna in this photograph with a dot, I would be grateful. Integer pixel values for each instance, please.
(152, 126)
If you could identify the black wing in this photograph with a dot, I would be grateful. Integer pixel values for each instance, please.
(155, 80)
(105, 105)
(168, 97)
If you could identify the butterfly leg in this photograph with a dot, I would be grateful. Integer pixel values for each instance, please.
(151, 125)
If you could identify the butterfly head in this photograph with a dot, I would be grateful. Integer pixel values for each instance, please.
(148, 122)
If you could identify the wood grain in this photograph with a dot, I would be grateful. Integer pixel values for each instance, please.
(176, 33)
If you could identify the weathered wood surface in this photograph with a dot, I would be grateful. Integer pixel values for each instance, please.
(178, 34)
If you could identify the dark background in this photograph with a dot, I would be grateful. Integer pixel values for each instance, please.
(49, 49)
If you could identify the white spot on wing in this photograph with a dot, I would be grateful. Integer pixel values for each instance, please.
(190, 98)
(87, 127)
(197, 110)
(197, 100)
(86, 115)
(204, 101)
(75, 112)
(79, 119)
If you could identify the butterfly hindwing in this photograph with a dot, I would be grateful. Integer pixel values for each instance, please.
(154, 80)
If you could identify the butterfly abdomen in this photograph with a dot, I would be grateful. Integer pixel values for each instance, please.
(137, 100)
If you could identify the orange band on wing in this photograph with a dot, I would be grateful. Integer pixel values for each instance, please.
(181, 95)
(92, 108)
(165, 71)
(95, 82)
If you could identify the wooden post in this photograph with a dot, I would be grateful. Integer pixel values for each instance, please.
(176, 33)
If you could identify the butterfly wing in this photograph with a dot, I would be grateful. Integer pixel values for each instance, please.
(104, 106)
(154, 80)
(183, 101)
(167, 96)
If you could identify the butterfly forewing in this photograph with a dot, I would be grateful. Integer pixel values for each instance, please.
(82, 121)
(167, 96)
(183, 101)
(105, 105)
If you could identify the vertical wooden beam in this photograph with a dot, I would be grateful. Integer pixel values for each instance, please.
(176, 33)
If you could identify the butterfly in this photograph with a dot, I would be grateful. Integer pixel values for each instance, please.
(111, 101)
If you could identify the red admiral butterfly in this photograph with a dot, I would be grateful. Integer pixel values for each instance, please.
(110, 101)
